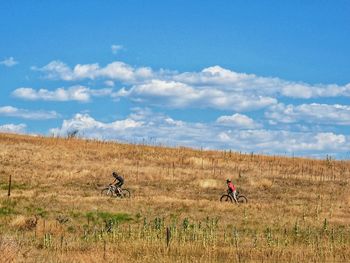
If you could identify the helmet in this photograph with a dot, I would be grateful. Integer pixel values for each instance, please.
(228, 180)
(114, 174)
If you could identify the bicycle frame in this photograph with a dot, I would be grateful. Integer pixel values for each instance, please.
(114, 189)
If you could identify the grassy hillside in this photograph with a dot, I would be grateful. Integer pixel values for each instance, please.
(298, 209)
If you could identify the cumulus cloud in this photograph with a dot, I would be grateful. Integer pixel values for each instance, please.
(114, 71)
(307, 91)
(9, 62)
(215, 77)
(91, 128)
(138, 127)
(56, 70)
(13, 128)
(75, 93)
(213, 87)
(116, 48)
(238, 121)
(279, 141)
(310, 113)
(265, 86)
(179, 95)
(142, 126)
(10, 111)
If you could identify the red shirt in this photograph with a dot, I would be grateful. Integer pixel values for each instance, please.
(231, 186)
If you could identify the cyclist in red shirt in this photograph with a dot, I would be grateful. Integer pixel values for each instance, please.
(232, 189)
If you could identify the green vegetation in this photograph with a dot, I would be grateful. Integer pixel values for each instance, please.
(8, 207)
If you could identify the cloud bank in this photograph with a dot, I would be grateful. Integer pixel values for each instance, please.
(10, 111)
(251, 113)
(13, 128)
(213, 87)
(310, 113)
(143, 126)
(74, 93)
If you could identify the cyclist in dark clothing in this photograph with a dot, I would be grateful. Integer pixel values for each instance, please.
(118, 181)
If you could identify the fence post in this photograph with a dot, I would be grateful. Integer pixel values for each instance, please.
(168, 236)
(9, 189)
(61, 243)
(173, 170)
(104, 249)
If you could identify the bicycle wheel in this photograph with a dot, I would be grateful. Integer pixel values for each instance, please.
(107, 191)
(226, 198)
(126, 193)
(242, 199)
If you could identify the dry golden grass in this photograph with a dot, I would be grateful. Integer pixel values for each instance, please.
(298, 208)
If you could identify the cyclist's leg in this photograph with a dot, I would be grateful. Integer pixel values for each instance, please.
(234, 196)
(118, 188)
(115, 186)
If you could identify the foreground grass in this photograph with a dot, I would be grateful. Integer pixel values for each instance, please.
(298, 209)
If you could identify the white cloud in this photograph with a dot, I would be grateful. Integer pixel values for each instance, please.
(310, 113)
(143, 125)
(89, 127)
(109, 83)
(76, 93)
(117, 70)
(13, 128)
(10, 111)
(306, 91)
(138, 127)
(279, 142)
(179, 95)
(9, 62)
(215, 77)
(116, 48)
(238, 121)
(265, 86)
(85, 71)
(213, 87)
(56, 70)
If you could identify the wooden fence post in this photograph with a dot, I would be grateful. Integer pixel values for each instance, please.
(168, 236)
(104, 249)
(62, 243)
(9, 189)
(173, 170)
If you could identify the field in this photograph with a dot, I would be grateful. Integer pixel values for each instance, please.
(298, 209)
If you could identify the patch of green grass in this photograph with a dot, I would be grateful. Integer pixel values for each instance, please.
(4, 211)
(41, 212)
(7, 207)
(119, 217)
(14, 186)
(91, 217)
(75, 214)
(107, 216)
(34, 210)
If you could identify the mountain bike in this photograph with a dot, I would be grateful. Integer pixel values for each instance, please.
(114, 191)
(228, 197)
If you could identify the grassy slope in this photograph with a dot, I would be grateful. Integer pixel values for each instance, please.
(293, 203)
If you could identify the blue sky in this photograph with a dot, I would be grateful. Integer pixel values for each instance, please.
(252, 76)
